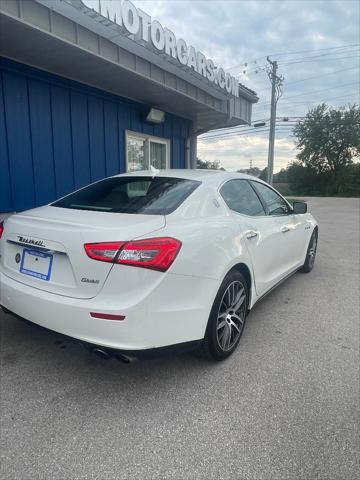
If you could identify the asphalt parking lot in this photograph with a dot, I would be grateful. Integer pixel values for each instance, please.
(284, 406)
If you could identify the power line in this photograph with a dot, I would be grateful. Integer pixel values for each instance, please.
(280, 121)
(320, 56)
(238, 132)
(265, 132)
(245, 64)
(312, 92)
(323, 75)
(325, 89)
(246, 130)
(316, 101)
(227, 134)
(262, 68)
(241, 128)
(310, 59)
(317, 49)
(350, 68)
(282, 127)
(314, 77)
(319, 60)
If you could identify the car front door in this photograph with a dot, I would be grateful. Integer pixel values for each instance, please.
(291, 227)
(261, 232)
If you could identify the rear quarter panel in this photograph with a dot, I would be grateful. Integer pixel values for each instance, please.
(212, 243)
(210, 247)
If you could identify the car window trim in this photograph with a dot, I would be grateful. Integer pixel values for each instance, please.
(290, 212)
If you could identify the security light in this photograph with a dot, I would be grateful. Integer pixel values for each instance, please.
(155, 116)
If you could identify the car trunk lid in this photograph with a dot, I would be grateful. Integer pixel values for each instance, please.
(44, 247)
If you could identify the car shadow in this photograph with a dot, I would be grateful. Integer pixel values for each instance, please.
(53, 354)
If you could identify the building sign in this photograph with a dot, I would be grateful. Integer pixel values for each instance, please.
(139, 24)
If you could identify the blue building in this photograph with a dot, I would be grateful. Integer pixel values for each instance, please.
(87, 93)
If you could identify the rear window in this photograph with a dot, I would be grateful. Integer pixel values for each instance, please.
(145, 195)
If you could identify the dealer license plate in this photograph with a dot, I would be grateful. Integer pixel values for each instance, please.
(36, 264)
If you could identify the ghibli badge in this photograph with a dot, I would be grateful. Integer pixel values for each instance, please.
(90, 280)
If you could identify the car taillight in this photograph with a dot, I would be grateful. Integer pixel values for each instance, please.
(155, 253)
(105, 252)
(1, 229)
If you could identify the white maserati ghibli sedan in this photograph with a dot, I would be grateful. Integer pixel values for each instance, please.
(147, 260)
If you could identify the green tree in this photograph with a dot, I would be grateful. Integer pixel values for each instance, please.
(215, 165)
(254, 171)
(302, 180)
(263, 174)
(329, 141)
(281, 176)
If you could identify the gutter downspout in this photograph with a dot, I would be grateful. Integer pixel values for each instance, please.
(193, 149)
(188, 152)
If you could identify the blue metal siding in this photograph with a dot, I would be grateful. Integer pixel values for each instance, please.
(80, 139)
(19, 140)
(112, 154)
(61, 126)
(41, 140)
(57, 135)
(5, 179)
(97, 141)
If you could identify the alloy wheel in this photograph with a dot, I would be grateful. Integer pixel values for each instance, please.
(231, 315)
(312, 250)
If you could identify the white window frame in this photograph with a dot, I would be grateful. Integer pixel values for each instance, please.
(148, 139)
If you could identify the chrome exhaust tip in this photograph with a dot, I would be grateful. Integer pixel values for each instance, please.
(124, 358)
(101, 353)
(106, 354)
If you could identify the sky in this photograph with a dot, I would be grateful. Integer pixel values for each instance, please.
(239, 34)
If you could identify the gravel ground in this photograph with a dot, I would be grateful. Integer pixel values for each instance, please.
(284, 406)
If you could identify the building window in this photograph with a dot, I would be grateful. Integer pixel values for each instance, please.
(145, 151)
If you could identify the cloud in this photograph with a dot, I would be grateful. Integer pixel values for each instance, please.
(235, 153)
(240, 31)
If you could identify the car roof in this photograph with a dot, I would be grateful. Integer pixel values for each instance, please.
(202, 175)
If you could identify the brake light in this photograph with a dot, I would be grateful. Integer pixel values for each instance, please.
(154, 253)
(1, 229)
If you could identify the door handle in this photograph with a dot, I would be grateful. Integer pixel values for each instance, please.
(251, 234)
(285, 229)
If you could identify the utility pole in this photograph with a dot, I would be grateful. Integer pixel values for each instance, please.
(276, 92)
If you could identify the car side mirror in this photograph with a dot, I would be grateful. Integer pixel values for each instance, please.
(299, 207)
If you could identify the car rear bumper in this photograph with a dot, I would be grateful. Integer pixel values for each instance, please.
(125, 356)
(175, 312)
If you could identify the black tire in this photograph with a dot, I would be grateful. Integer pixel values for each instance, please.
(310, 254)
(214, 344)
